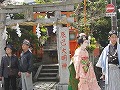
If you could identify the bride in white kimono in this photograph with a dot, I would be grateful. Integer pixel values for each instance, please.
(109, 61)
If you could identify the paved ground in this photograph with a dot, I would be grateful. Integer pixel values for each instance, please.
(45, 85)
(41, 86)
(52, 85)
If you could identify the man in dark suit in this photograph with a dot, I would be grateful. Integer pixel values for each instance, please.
(25, 66)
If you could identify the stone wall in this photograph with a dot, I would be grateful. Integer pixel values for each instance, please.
(2, 43)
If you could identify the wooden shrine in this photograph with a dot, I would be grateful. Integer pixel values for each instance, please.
(62, 32)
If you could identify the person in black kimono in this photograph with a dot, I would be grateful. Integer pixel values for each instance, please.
(9, 68)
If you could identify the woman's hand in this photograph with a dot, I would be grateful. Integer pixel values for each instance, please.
(77, 76)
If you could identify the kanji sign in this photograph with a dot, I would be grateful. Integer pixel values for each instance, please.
(110, 8)
(64, 56)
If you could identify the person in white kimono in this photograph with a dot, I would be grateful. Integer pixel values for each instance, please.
(109, 61)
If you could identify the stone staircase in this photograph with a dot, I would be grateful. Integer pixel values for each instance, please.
(47, 73)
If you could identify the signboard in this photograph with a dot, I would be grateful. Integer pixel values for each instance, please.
(110, 14)
(64, 56)
(110, 8)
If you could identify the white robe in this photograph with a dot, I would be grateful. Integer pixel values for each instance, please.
(103, 61)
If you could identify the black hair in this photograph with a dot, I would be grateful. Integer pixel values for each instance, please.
(31, 46)
(113, 32)
(81, 39)
(2, 1)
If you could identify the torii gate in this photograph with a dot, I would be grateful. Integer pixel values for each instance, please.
(62, 32)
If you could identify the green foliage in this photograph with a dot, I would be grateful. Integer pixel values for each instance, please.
(18, 16)
(92, 40)
(39, 1)
(118, 7)
(100, 30)
(94, 10)
(13, 38)
(43, 29)
(92, 45)
(48, 0)
(43, 39)
(26, 34)
(97, 23)
(118, 2)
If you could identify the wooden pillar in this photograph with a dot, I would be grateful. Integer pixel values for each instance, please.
(34, 27)
(85, 12)
(34, 30)
(2, 42)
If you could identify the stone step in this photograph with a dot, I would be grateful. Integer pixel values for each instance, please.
(52, 66)
(48, 72)
(47, 79)
(50, 69)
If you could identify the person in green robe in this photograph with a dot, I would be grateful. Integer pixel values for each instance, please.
(73, 82)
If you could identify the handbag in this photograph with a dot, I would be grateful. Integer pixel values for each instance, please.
(13, 72)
